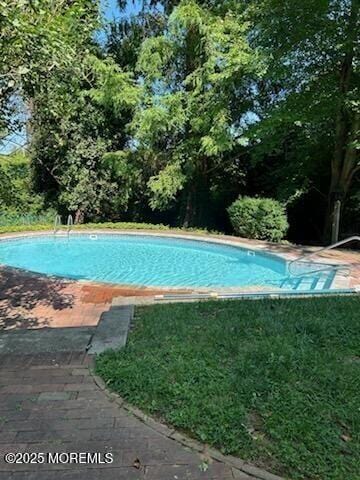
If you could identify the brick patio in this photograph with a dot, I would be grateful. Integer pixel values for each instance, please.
(33, 301)
(50, 403)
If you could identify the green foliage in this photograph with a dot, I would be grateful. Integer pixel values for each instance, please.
(165, 186)
(86, 186)
(47, 61)
(76, 126)
(274, 382)
(11, 221)
(114, 89)
(259, 218)
(189, 104)
(127, 175)
(308, 105)
(39, 39)
(17, 197)
(193, 76)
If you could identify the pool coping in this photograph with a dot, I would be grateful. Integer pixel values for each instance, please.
(279, 251)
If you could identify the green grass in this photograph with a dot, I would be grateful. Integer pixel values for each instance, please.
(22, 225)
(276, 382)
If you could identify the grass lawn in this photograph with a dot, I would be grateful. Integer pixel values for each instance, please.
(276, 382)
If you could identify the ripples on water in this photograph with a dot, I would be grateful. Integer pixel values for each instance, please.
(143, 260)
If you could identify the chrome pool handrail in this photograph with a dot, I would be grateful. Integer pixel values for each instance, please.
(313, 254)
(70, 224)
(57, 223)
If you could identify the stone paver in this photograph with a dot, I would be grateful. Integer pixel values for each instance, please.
(50, 403)
(45, 340)
(112, 330)
(110, 333)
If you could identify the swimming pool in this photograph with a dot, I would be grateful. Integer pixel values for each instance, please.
(153, 261)
(142, 260)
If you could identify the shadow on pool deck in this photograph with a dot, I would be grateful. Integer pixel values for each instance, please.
(29, 300)
(21, 294)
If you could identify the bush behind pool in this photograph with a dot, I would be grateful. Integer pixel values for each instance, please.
(259, 218)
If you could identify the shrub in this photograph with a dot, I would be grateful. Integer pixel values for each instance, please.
(10, 218)
(22, 224)
(259, 218)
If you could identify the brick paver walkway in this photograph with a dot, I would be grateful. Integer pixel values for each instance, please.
(50, 403)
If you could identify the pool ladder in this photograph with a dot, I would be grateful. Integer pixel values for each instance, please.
(58, 225)
(321, 250)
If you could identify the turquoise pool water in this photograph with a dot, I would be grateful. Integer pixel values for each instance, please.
(143, 260)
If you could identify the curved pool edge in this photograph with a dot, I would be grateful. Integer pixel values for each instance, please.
(244, 243)
(281, 252)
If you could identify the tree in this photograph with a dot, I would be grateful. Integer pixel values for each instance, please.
(126, 35)
(312, 83)
(195, 75)
(75, 122)
(38, 39)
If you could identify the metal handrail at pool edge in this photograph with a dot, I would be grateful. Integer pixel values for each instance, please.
(70, 224)
(317, 252)
(57, 223)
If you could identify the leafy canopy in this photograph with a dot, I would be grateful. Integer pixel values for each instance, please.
(38, 39)
(193, 77)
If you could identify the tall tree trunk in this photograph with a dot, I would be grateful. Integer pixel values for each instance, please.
(79, 216)
(345, 158)
(189, 208)
(191, 64)
(343, 171)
